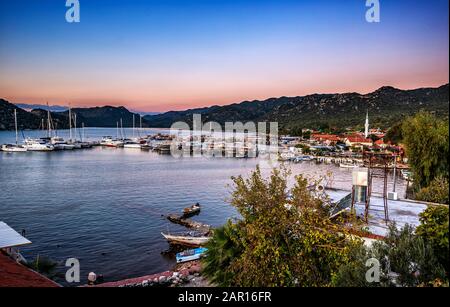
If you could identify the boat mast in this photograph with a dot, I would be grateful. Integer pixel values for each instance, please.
(15, 124)
(133, 126)
(70, 123)
(117, 131)
(75, 125)
(42, 124)
(48, 121)
(82, 134)
(121, 129)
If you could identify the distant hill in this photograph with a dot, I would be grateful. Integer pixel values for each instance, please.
(91, 117)
(25, 119)
(386, 106)
(52, 108)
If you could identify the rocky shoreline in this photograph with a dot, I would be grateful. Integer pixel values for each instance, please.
(183, 275)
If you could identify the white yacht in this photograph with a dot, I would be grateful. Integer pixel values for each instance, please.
(108, 141)
(16, 147)
(13, 148)
(38, 145)
(60, 144)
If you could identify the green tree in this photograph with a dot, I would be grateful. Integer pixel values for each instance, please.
(394, 134)
(433, 230)
(223, 248)
(436, 192)
(405, 260)
(426, 141)
(305, 149)
(374, 137)
(283, 241)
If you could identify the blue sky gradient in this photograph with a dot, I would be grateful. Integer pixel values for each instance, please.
(171, 54)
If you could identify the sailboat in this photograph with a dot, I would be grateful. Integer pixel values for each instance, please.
(74, 142)
(134, 143)
(39, 144)
(16, 147)
(109, 141)
(57, 142)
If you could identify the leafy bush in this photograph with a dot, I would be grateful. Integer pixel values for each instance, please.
(278, 241)
(434, 231)
(427, 146)
(436, 192)
(405, 258)
(44, 265)
(223, 248)
(409, 256)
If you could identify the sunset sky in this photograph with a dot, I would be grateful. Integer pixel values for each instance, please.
(172, 54)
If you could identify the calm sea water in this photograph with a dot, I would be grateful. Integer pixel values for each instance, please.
(104, 206)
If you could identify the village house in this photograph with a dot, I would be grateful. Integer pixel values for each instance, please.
(381, 144)
(326, 139)
(357, 141)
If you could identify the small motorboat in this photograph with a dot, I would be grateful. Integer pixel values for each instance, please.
(194, 209)
(303, 158)
(191, 254)
(108, 141)
(186, 239)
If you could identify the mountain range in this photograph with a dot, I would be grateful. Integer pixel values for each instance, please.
(91, 117)
(386, 106)
(52, 108)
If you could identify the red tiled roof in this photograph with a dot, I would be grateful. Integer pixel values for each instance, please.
(358, 139)
(13, 274)
(326, 137)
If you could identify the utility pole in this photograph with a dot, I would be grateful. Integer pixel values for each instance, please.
(395, 172)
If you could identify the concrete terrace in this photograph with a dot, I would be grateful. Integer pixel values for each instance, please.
(401, 211)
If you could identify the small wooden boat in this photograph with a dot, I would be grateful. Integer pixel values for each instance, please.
(194, 209)
(191, 254)
(186, 240)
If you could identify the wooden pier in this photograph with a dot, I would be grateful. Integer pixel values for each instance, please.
(181, 220)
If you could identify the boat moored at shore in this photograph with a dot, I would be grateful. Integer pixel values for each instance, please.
(38, 145)
(191, 254)
(109, 141)
(190, 239)
(13, 148)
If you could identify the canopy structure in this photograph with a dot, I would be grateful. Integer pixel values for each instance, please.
(11, 238)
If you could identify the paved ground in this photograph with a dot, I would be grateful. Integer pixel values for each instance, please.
(401, 212)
